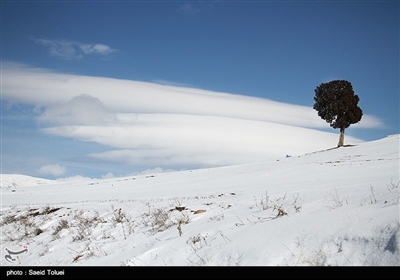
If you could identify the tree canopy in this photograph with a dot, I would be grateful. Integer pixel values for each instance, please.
(337, 104)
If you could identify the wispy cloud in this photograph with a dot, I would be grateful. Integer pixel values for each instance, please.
(73, 50)
(194, 8)
(148, 124)
(189, 9)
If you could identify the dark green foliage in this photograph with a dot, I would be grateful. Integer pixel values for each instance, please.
(336, 103)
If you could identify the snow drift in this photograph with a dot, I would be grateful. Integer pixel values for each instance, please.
(337, 207)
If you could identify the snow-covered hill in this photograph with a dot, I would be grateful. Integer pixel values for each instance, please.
(338, 207)
(17, 180)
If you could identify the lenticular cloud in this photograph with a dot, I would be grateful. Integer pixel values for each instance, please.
(81, 110)
(151, 124)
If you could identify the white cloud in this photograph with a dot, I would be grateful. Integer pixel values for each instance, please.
(148, 171)
(73, 179)
(150, 124)
(53, 169)
(197, 141)
(44, 88)
(153, 171)
(72, 50)
(81, 109)
(39, 87)
(369, 121)
(109, 175)
(96, 49)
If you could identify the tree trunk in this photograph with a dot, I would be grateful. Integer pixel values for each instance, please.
(341, 138)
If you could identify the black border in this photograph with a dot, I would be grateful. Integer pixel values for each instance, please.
(204, 273)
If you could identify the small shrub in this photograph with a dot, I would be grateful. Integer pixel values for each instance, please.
(393, 186)
(8, 219)
(279, 204)
(265, 201)
(280, 211)
(160, 219)
(83, 232)
(372, 196)
(197, 241)
(335, 199)
(119, 216)
(28, 225)
(62, 224)
(84, 225)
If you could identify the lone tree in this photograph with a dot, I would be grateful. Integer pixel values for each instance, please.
(336, 103)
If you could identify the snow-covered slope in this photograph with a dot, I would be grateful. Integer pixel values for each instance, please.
(332, 207)
(17, 180)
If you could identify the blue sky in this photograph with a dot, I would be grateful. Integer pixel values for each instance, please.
(80, 77)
